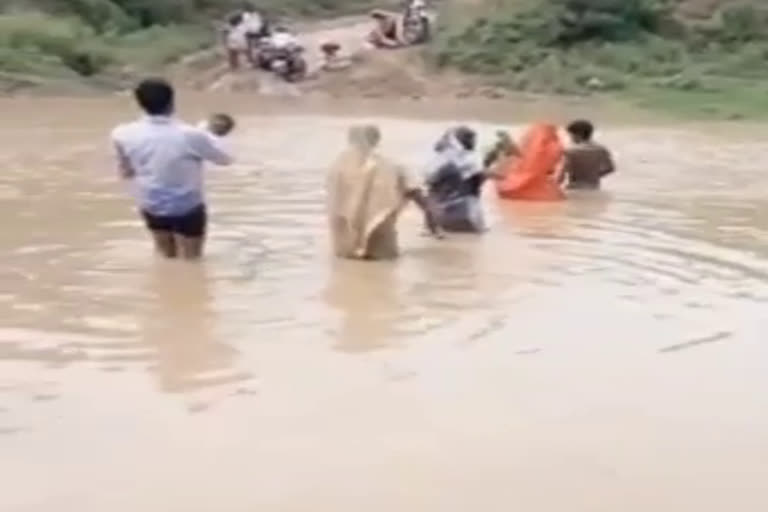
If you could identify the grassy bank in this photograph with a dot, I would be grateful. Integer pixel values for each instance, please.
(646, 50)
(109, 42)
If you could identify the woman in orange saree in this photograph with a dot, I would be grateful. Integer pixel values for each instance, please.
(531, 175)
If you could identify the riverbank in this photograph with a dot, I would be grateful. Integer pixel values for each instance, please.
(692, 58)
(475, 55)
(104, 45)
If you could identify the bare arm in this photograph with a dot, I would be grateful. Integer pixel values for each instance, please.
(608, 167)
(563, 168)
(417, 196)
(495, 159)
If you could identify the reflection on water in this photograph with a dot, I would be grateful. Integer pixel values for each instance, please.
(598, 354)
(366, 296)
(187, 352)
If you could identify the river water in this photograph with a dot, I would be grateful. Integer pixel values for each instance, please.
(597, 355)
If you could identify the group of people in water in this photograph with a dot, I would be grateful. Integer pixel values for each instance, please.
(367, 191)
(163, 158)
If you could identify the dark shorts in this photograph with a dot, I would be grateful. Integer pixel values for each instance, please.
(191, 225)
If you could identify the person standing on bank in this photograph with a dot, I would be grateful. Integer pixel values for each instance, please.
(163, 159)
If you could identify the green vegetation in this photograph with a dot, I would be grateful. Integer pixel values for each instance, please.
(110, 40)
(643, 48)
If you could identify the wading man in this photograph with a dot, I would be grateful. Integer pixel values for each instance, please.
(163, 158)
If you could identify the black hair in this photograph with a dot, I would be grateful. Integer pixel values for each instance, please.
(581, 129)
(155, 96)
(330, 48)
(235, 19)
(466, 137)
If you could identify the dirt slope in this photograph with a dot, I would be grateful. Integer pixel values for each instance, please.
(373, 73)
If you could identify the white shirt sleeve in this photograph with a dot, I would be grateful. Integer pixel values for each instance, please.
(124, 167)
(209, 148)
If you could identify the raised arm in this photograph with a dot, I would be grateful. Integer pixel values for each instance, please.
(210, 148)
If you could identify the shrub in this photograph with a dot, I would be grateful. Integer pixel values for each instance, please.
(65, 39)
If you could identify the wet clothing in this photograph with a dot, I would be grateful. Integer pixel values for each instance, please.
(454, 185)
(531, 175)
(165, 159)
(366, 193)
(192, 224)
(586, 164)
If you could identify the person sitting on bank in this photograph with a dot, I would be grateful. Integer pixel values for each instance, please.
(386, 32)
(163, 159)
(585, 162)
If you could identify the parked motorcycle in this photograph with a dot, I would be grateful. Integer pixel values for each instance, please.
(290, 64)
(287, 62)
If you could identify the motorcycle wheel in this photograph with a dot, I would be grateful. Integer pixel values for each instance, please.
(296, 70)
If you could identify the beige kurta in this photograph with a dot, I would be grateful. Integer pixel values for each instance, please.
(366, 192)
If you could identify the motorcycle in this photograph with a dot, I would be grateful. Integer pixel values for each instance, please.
(417, 24)
(290, 64)
(286, 62)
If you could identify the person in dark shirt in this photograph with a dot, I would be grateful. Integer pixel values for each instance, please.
(586, 162)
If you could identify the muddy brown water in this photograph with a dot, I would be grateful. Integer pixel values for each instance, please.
(598, 355)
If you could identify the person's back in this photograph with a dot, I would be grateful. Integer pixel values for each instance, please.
(586, 162)
(166, 157)
(163, 158)
(455, 180)
(366, 193)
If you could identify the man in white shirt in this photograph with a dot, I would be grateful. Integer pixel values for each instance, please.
(255, 27)
(163, 158)
(236, 41)
(253, 21)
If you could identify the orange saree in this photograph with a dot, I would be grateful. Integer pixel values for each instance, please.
(531, 175)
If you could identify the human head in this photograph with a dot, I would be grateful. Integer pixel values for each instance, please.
(235, 19)
(364, 137)
(330, 49)
(580, 130)
(155, 96)
(466, 137)
(221, 124)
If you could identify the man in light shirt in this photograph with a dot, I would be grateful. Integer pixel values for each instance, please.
(236, 41)
(254, 27)
(163, 158)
